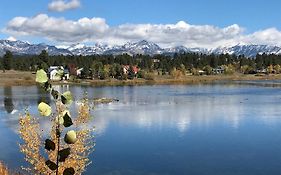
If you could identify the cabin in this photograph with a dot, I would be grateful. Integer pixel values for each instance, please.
(72, 69)
(218, 70)
(57, 73)
(261, 71)
(201, 72)
(79, 72)
(127, 67)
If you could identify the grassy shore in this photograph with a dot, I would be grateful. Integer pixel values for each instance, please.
(16, 78)
(19, 78)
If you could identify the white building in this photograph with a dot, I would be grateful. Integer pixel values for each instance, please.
(58, 73)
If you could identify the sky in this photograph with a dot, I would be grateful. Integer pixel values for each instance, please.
(191, 23)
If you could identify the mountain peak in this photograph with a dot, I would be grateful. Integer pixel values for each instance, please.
(76, 46)
(24, 48)
(11, 39)
(248, 50)
(142, 47)
(143, 42)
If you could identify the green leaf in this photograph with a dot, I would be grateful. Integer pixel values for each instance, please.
(41, 76)
(44, 109)
(50, 145)
(67, 98)
(55, 94)
(70, 137)
(63, 154)
(69, 171)
(67, 120)
(51, 165)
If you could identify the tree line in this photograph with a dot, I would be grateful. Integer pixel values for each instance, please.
(104, 66)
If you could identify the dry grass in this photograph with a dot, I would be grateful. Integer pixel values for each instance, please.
(16, 78)
(78, 159)
(160, 80)
(31, 136)
(3, 169)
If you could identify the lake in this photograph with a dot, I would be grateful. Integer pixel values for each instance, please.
(215, 129)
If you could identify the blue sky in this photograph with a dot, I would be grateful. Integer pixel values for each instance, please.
(233, 21)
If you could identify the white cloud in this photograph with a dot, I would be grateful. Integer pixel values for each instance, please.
(180, 33)
(58, 29)
(66, 31)
(270, 36)
(62, 5)
(11, 38)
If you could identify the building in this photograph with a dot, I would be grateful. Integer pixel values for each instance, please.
(218, 70)
(127, 67)
(79, 72)
(72, 69)
(57, 73)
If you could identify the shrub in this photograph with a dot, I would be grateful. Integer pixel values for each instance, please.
(65, 155)
(194, 71)
(229, 69)
(176, 73)
(149, 76)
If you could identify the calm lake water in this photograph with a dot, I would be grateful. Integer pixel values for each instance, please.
(219, 129)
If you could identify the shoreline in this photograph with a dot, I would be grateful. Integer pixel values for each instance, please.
(22, 78)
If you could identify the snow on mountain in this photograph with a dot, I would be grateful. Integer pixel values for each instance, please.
(25, 48)
(247, 50)
(183, 49)
(76, 46)
(80, 49)
(142, 47)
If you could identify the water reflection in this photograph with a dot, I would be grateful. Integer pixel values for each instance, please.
(215, 128)
(198, 106)
(8, 100)
(43, 95)
(163, 106)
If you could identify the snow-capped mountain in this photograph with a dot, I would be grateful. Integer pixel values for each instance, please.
(25, 48)
(80, 49)
(247, 50)
(142, 47)
(182, 49)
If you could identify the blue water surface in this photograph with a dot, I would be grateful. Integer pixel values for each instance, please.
(218, 129)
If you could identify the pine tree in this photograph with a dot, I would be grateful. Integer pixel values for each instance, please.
(7, 60)
(44, 56)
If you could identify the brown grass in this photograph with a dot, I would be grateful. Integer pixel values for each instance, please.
(187, 79)
(78, 159)
(16, 78)
(3, 169)
(20, 78)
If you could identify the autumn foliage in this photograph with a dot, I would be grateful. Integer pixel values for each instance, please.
(57, 154)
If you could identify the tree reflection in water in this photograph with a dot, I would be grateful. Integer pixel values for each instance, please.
(8, 99)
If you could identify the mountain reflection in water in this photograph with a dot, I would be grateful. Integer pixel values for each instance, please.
(185, 129)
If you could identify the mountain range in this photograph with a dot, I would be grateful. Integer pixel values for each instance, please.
(142, 47)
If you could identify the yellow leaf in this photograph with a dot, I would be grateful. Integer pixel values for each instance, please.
(70, 137)
(44, 109)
